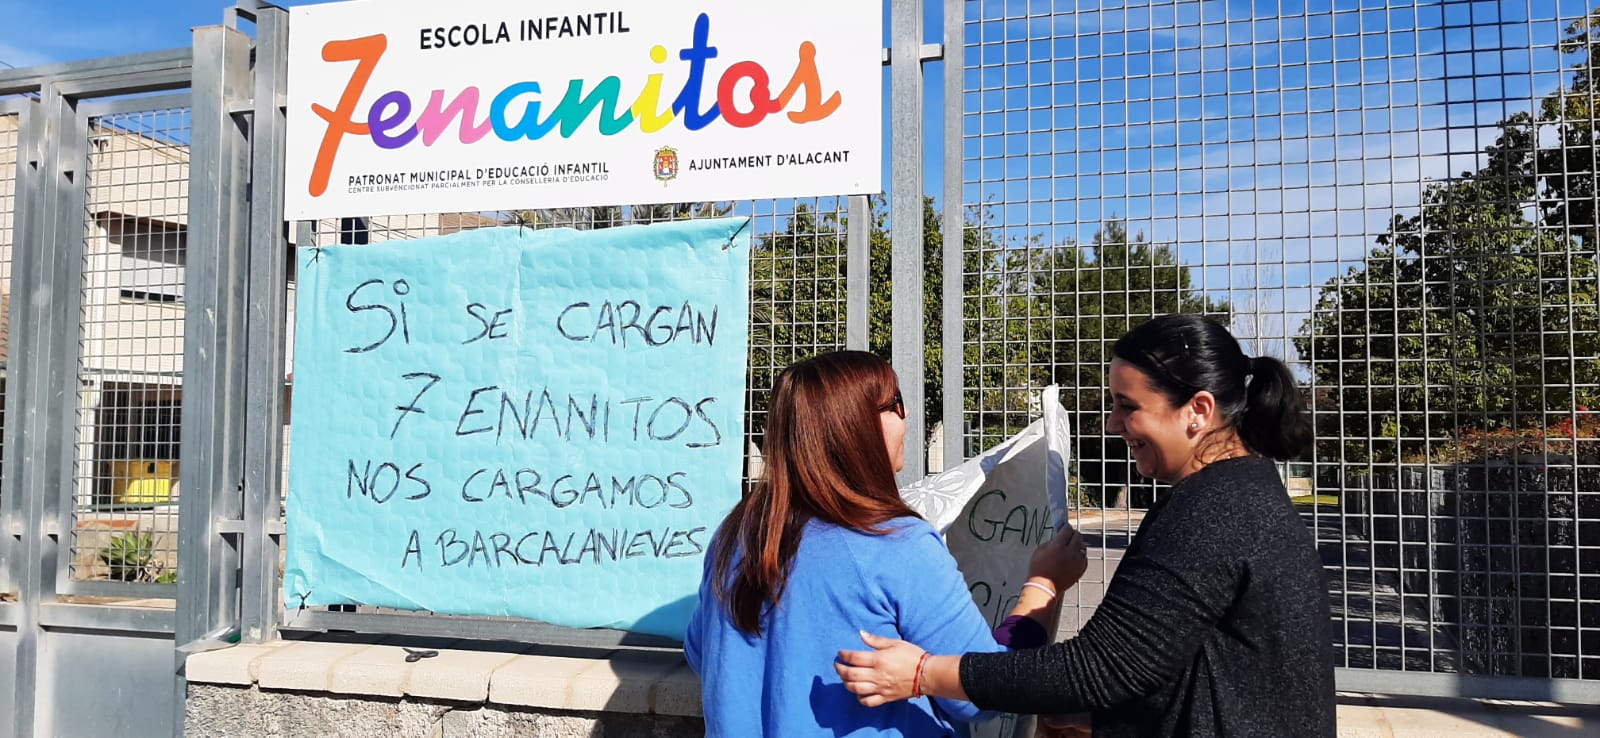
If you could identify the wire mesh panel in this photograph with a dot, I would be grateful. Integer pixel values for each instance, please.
(130, 372)
(797, 279)
(10, 124)
(1398, 200)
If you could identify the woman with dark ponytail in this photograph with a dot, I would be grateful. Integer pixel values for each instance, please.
(1216, 622)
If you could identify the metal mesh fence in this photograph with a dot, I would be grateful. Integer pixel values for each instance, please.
(9, 130)
(130, 372)
(797, 279)
(1395, 198)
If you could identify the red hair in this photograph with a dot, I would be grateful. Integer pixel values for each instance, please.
(825, 459)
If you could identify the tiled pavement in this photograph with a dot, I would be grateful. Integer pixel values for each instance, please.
(1368, 716)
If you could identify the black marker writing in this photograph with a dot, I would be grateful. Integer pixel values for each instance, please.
(490, 328)
(371, 482)
(658, 325)
(995, 522)
(401, 288)
(565, 548)
(412, 407)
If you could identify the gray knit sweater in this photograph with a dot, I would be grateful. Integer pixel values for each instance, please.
(1216, 624)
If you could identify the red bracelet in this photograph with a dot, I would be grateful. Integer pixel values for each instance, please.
(916, 681)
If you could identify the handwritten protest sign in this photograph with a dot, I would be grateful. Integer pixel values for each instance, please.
(545, 424)
(993, 511)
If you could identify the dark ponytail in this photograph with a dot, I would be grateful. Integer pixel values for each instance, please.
(1274, 423)
(1185, 354)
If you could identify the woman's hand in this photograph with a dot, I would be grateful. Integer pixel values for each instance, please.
(1063, 559)
(885, 674)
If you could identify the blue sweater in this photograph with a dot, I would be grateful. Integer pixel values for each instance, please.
(903, 584)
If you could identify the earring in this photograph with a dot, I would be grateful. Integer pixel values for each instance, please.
(1195, 425)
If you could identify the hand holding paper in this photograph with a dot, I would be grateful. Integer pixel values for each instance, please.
(1062, 559)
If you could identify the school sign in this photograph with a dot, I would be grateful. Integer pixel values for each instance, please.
(412, 107)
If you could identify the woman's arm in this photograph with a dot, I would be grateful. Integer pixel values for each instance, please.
(1039, 603)
(1033, 619)
(896, 670)
(1159, 606)
(1056, 566)
(929, 601)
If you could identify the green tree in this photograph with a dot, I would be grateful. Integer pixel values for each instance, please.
(798, 278)
(1467, 314)
(1064, 306)
(610, 216)
(797, 295)
(1086, 297)
(1033, 314)
(1567, 164)
(664, 213)
(580, 218)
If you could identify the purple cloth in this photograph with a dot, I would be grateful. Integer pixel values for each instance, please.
(1021, 631)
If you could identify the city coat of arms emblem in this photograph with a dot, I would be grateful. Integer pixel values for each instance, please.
(666, 165)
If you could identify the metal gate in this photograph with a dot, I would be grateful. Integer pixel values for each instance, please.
(97, 225)
(1100, 165)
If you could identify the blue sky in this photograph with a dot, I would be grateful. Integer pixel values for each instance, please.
(1269, 142)
(36, 32)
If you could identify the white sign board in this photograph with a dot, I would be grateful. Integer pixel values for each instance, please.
(406, 106)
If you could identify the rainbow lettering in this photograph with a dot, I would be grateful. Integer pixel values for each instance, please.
(390, 124)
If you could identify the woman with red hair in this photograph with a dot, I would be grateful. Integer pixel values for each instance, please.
(824, 549)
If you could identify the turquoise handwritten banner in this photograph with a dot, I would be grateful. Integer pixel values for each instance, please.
(542, 424)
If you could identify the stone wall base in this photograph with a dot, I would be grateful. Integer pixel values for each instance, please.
(222, 710)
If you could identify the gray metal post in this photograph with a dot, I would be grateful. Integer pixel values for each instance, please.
(858, 269)
(906, 243)
(25, 414)
(954, 235)
(49, 269)
(65, 275)
(11, 437)
(214, 342)
(268, 285)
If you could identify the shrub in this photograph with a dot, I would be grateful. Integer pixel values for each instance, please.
(1573, 436)
(131, 557)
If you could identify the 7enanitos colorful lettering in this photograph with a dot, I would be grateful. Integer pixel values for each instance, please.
(389, 120)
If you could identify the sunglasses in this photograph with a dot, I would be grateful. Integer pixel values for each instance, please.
(896, 406)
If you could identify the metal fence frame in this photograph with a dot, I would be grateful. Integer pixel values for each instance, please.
(267, 320)
(230, 537)
(40, 433)
(957, 41)
(10, 525)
